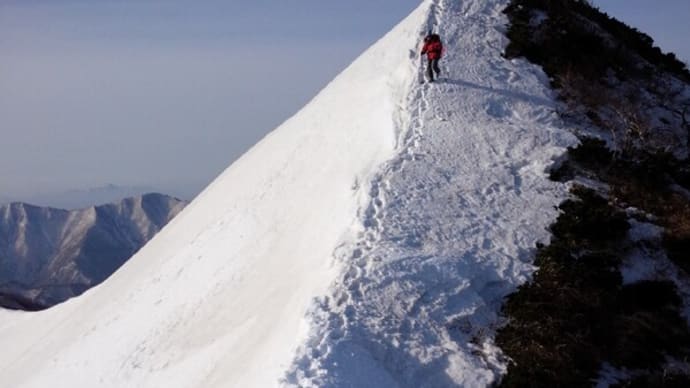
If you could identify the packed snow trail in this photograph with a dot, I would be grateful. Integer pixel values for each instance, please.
(451, 224)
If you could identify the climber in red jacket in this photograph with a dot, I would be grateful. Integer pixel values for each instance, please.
(433, 48)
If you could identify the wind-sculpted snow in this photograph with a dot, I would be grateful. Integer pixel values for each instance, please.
(405, 211)
(451, 223)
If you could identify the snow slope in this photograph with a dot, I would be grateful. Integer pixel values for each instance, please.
(393, 216)
(218, 298)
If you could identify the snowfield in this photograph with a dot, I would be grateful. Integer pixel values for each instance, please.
(366, 242)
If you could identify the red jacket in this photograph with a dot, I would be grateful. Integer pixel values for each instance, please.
(432, 48)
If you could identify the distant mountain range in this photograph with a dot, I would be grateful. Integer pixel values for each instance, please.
(48, 255)
(79, 198)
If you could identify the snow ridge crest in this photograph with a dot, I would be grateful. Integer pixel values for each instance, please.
(450, 224)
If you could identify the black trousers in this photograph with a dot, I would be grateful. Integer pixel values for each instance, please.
(431, 67)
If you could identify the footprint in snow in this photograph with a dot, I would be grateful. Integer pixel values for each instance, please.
(513, 77)
(498, 108)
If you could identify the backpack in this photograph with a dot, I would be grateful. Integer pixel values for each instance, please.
(433, 38)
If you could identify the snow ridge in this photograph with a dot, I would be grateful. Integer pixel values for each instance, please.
(450, 225)
(426, 244)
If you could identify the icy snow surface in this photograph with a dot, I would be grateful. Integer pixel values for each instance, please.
(367, 242)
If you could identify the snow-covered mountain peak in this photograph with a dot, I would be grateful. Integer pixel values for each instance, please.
(367, 241)
(48, 255)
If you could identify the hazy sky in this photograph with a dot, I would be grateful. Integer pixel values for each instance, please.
(167, 93)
